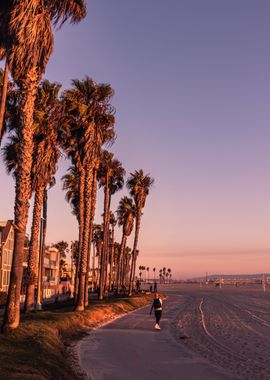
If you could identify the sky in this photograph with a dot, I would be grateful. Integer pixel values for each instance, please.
(192, 92)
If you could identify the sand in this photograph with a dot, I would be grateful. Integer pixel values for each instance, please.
(206, 333)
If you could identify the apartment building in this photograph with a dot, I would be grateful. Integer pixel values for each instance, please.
(6, 253)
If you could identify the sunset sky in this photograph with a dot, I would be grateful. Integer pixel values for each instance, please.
(192, 95)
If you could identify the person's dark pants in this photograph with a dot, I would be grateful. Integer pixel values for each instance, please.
(158, 315)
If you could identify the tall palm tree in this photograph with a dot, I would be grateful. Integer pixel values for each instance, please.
(28, 49)
(125, 213)
(111, 176)
(91, 124)
(154, 270)
(139, 185)
(45, 156)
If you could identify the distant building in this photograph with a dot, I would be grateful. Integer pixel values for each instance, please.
(51, 274)
(6, 253)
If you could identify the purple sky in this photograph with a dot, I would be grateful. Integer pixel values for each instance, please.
(192, 92)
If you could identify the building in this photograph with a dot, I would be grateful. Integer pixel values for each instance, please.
(6, 253)
(50, 275)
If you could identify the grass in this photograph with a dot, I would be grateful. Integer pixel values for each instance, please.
(38, 349)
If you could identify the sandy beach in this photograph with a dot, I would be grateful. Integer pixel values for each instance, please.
(207, 333)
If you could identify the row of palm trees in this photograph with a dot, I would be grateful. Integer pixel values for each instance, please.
(164, 274)
(26, 44)
(42, 125)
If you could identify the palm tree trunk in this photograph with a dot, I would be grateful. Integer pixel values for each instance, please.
(81, 226)
(32, 272)
(3, 99)
(111, 258)
(134, 254)
(22, 196)
(93, 209)
(86, 229)
(105, 237)
(41, 254)
(120, 264)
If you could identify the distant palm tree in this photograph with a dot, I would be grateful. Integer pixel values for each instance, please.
(28, 50)
(169, 273)
(160, 275)
(125, 214)
(147, 273)
(139, 185)
(154, 270)
(111, 177)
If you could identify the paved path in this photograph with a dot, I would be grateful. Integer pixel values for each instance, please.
(130, 349)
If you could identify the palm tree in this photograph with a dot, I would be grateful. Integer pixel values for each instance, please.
(139, 185)
(154, 270)
(169, 273)
(92, 216)
(45, 156)
(164, 273)
(91, 122)
(125, 214)
(28, 49)
(113, 223)
(111, 177)
(160, 275)
(147, 273)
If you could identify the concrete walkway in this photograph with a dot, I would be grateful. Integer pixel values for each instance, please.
(130, 349)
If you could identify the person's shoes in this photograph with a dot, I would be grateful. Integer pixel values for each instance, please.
(157, 327)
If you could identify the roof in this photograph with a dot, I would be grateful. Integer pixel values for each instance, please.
(5, 228)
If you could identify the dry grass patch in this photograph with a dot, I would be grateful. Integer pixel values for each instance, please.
(38, 348)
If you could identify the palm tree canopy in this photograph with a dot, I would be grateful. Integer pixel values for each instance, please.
(115, 170)
(27, 31)
(71, 185)
(125, 214)
(139, 184)
(46, 133)
(90, 119)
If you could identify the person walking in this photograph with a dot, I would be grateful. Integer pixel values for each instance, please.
(157, 306)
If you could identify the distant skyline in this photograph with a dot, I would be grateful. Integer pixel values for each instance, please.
(192, 93)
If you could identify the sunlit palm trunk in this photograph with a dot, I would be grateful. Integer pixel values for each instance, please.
(86, 228)
(3, 99)
(81, 224)
(120, 264)
(32, 272)
(111, 259)
(93, 209)
(22, 196)
(134, 254)
(42, 252)
(105, 238)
